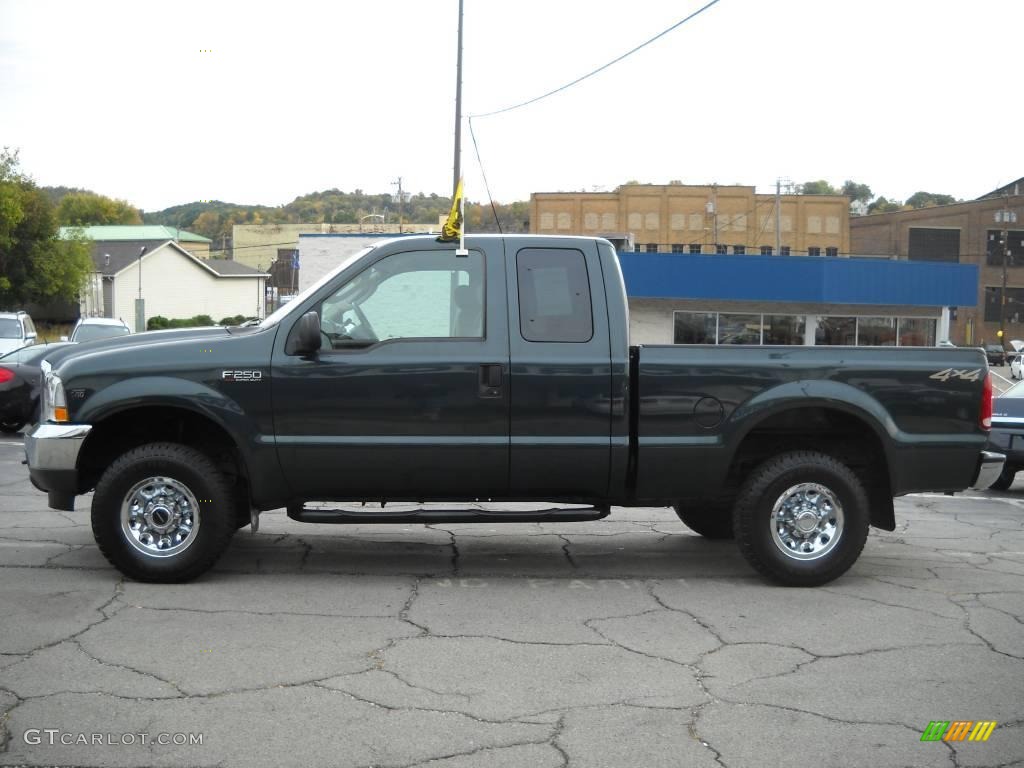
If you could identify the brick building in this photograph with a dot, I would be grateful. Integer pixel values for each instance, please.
(962, 233)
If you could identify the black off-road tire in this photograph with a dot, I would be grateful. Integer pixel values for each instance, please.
(1005, 479)
(712, 521)
(10, 427)
(768, 484)
(183, 465)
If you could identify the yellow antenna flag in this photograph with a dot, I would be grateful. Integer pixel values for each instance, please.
(452, 229)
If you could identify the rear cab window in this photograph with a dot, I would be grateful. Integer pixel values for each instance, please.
(554, 295)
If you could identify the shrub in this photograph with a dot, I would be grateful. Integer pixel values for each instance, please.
(159, 322)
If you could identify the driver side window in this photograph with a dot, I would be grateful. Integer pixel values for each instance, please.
(418, 294)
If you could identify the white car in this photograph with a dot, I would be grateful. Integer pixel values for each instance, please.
(92, 328)
(16, 331)
(1015, 365)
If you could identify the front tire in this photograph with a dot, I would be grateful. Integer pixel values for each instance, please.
(802, 518)
(163, 512)
(712, 521)
(1005, 479)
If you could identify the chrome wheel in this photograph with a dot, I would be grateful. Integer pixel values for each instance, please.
(807, 521)
(160, 517)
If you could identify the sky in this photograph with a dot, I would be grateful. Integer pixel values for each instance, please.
(162, 103)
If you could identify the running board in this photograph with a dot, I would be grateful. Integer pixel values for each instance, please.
(369, 516)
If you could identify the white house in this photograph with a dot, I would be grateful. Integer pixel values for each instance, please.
(173, 283)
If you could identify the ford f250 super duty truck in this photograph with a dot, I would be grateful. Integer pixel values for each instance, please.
(416, 372)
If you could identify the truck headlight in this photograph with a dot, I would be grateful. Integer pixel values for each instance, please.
(54, 406)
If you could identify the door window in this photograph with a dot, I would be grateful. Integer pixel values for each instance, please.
(412, 295)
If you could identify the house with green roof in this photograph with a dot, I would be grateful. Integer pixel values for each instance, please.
(195, 244)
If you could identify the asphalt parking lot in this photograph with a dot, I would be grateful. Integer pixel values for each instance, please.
(627, 642)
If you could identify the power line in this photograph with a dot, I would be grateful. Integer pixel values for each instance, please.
(601, 68)
(487, 186)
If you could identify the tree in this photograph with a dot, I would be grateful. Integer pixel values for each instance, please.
(819, 187)
(82, 209)
(35, 264)
(929, 199)
(855, 191)
(881, 205)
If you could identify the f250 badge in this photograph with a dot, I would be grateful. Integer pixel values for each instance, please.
(956, 373)
(242, 376)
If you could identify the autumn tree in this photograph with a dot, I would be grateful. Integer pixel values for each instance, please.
(83, 209)
(882, 205)
(929, 199)
(36, 265)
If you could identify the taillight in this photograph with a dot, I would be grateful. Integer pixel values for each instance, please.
(6, 374)
(985, 416)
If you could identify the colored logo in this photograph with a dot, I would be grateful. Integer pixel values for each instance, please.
(958, 730)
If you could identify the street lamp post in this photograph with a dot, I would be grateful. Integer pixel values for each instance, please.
(140, 304)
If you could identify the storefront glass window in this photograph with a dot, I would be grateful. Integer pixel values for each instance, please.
(876, 331)
(784, 329)
(917, 332)
(739, 329)
(694, 328)
(836, 331)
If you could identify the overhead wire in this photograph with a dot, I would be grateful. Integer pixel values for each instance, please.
(599, 69)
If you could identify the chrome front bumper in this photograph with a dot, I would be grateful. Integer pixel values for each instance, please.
(990, 466)
(50, 447)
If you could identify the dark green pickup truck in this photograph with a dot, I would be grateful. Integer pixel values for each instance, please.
(416, 372)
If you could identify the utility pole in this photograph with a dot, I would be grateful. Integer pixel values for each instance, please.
(458, 110)
(400, 201)
(1006, 217)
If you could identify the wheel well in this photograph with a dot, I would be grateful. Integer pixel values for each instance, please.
(129, 429)
(839, 434)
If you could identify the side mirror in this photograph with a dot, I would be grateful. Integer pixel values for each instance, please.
(304, 338)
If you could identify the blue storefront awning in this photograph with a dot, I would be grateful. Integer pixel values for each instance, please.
(806, 279)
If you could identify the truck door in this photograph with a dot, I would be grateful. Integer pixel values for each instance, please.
(561, 373)
(407, 397)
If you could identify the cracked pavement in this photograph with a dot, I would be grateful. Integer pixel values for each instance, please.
(624, 642)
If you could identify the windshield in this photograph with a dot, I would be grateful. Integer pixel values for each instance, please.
(93, 332)
(10, 328)
(275, 317)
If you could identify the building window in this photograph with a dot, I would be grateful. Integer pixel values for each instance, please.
(766, 250)
(694, 327)
(739, 329)
(831, 251)
(933, 244)
(813, 250)
(836, 331)
(652, 247)
(694, 247)
(783, 250)
(876, 331)
(554, 295)
(721, 249)
(994, 248)
(636, 248)
(677, 248)
(784, 329)
(1014, 312)
(917, 332)
(739, 250)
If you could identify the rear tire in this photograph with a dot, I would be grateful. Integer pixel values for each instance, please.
(163, 512)
(1005, 479)
(712, 521)
(802, 518)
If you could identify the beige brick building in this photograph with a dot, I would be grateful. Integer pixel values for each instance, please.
(965, 233)
(699, 219)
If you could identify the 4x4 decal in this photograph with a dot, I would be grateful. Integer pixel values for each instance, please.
(957, 373)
